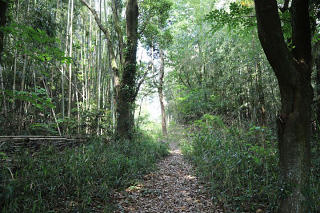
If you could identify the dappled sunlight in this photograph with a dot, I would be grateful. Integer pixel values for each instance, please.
(190, 177)
(134, 188)
(175, 152)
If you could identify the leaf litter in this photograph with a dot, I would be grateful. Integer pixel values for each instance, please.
(172, 188)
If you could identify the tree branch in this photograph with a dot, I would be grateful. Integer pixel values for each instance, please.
(140, 83)
(97, 19)
(272, 40)
(118, 28)
(144, 27)
(105, 32)
(301, 32)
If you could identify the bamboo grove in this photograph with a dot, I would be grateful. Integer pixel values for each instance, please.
(64, 61)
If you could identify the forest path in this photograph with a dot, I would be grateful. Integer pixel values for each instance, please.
(171, 188)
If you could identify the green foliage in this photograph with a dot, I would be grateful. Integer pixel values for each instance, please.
(154, 17)
(286, 26)
(224, 74)
(38, 98)
(211, 121)
(240, 15)
(44, 18)
(192, 104)
(240, 165)
(79, 179)
(30, 58)
(43, 129)
(158, 10)
(88, 123)
(35, 42)
(241, 171)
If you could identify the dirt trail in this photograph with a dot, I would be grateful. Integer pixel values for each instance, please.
(172, 188)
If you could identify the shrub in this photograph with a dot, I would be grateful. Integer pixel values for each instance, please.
(75, 180)
(240, 165)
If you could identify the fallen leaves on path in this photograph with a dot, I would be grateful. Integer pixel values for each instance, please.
(172, 188)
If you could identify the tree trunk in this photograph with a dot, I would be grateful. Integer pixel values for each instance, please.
(14, 77)
(99, 67)
(117, 27)
(126, 100)
(22, 86)
(293, 71)
(63, 66)
(89, 63)
(15, 62)
(3, 10)
(160, 92)
(83, 67)
(70, 65)
(115, 81)
(261, 101)
(52, 109)
(317, 62)
(4, 107)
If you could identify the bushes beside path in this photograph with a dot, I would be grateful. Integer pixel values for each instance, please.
(80, 179)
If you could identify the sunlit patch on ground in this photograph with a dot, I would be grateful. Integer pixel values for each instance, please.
(175, 152)
(190, 177)
(134, 188)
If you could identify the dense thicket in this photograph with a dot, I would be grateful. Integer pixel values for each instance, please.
(222, 84)
(52, 63)
(67, 64)
(70, 68)
(80, 179)
(226, 72)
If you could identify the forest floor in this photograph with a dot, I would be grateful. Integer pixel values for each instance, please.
(171, 188)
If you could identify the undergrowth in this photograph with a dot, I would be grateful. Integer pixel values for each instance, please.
(240, 165)
(80, 179)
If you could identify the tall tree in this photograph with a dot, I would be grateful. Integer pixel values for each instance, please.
(63, 66)
(70, 64)
(156, 36)
(292, 68)
(3, 10)
(127, 92)
(317, 88)
(160, 92)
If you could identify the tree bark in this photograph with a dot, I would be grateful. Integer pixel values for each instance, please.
(316, 50)
(4, 106)
(3, 11)
(117, 27)
(160, 92)
(63, 66)
(89, 46)
(317, 61)
(293, 71)
(261, 113)
(70, 65)
(126, 101)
